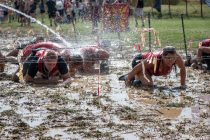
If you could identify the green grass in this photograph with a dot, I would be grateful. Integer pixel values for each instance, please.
(169, 28)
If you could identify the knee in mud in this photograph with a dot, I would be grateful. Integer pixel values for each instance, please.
(14, 77)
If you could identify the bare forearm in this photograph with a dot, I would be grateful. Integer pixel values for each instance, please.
(38, 81)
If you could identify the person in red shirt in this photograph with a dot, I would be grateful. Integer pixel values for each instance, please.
(92, 55)
(165, 60)
(49, 63)
(202, 58)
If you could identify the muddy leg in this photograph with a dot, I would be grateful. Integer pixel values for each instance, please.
(11, 59)
(13, 53)
(144, 81)
(14, 75)
(2, 62)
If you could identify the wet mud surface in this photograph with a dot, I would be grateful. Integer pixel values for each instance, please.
(30, 111)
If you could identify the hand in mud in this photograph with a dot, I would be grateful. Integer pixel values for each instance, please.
(128, 83)
(53, 79)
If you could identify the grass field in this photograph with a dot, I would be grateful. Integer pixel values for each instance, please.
(168, 27)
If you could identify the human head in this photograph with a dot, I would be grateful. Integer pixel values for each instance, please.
(75, 61)
(169, 55)
(50, 59)
(65, 53)
(9, 2)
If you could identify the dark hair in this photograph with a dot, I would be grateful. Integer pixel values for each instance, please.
(171, 50)
(76, 59)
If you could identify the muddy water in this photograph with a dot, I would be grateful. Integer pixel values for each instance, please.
(163, 112)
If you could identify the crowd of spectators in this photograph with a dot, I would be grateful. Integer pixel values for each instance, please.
(62, 11)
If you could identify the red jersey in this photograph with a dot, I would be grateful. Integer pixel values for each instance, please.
(40, 56)
(90, 49)
(151, 70)
(46, 45)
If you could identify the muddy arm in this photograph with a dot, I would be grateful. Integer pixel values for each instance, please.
(138, 68)
(66, 79)
(40, 81)
(181, 66)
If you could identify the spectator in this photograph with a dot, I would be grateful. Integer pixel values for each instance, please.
(80, 10)
(42, 9)
(139, 11)
(95, 14)
(33, 9)
(60, 8)
(27, 9)
(73, 11)
(1, 15)
(68, 12)
(22, 9)
(5, 10)
(16, 3)
(85, 11)
(10, 12)
(51, 11)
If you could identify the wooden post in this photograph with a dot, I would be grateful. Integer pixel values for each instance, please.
(169, 6)
(186, 8)
(201, 9)
(152, 4)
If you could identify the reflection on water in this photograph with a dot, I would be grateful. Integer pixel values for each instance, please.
(130, 136)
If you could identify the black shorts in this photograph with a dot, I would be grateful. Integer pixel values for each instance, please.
(42, 11)
(60, 12)
(51, 14)
(22, 16)
(136, 60)
(31, 11)
(5, 13)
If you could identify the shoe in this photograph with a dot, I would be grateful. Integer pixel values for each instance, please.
(50, 25)
(42, 21)
(4, 75)
(123, 77)
(85, 22)
(137, 83)
(136, 25)
(142, 25)
(187, 62)
(29, 24)
(21, 25)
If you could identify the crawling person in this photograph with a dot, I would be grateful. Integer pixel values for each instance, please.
(165, 60)
(73, 61)
(92, 55)
(16, 51)
(48, 62)
(203, 56)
